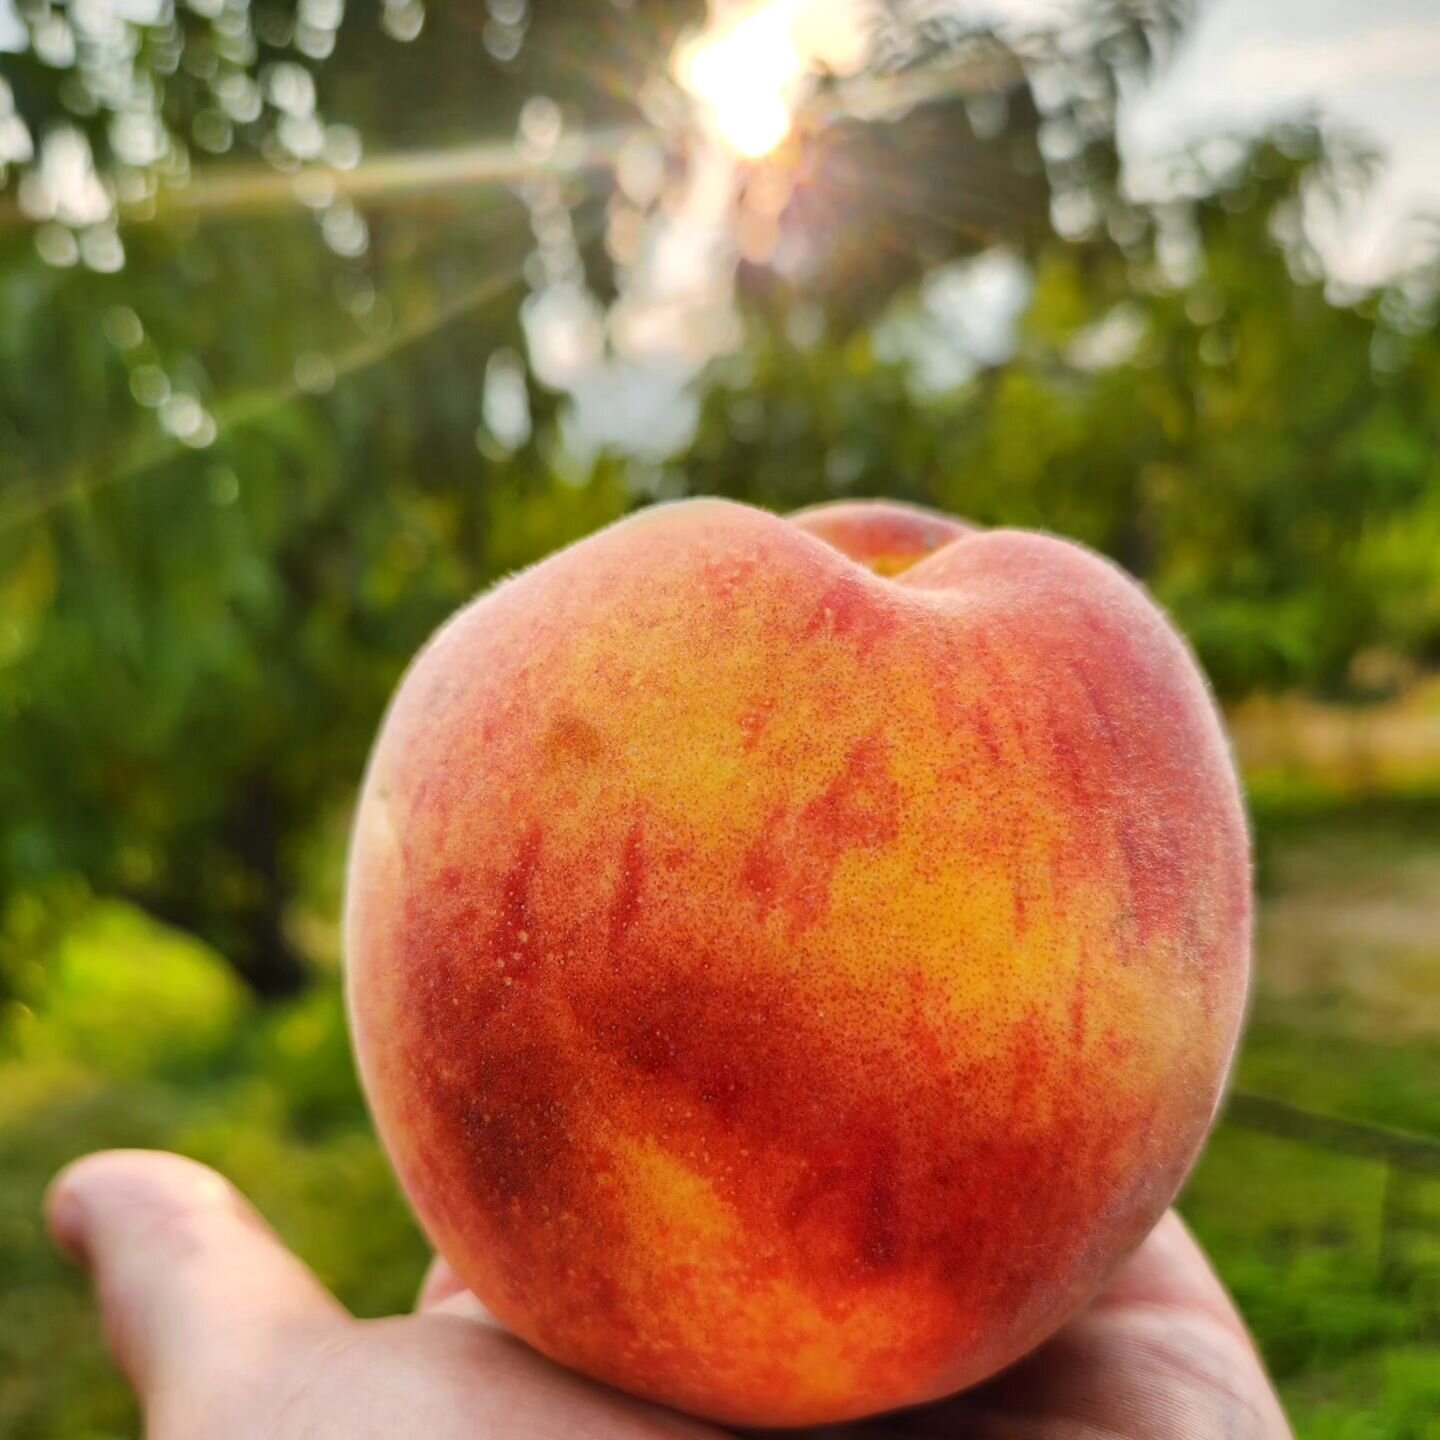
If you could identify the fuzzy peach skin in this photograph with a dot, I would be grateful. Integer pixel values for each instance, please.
(787, 992)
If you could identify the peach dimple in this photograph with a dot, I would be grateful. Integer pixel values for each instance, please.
(787, 975)
(883, 535)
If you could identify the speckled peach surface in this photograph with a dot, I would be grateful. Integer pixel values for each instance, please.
(786, 991)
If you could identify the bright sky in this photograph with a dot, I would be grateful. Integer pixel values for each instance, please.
(1370, 68)
(1370, 65)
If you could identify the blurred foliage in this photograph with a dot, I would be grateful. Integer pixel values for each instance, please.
(245, 474)
(249, 459)
(270, 1099)
(1349, 1321)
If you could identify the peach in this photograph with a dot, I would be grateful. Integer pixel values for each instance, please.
(787, 990)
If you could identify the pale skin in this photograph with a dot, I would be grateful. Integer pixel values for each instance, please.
(224, 1333)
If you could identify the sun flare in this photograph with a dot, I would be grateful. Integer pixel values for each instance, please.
(746, 72)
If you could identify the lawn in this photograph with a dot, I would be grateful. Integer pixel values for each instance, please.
(136, 1037)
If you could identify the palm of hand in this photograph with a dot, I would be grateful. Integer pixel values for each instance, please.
(225, 1334)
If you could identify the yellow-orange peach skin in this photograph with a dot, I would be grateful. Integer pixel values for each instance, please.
(787, 990)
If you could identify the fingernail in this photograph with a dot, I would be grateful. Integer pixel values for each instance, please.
(66, 1218)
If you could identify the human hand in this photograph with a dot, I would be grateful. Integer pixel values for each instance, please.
(226, 1335)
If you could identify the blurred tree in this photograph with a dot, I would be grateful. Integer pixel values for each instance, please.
(1185, 393)
(251, 453)
(204, 611)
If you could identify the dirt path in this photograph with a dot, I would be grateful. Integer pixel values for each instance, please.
(1352, 916)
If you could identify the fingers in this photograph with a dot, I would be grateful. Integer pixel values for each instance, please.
(440, 1284)
(191, 1281)
(1170, 1268)
(524, 1392)
(443, 1291)
(1160, 1354)
(501, 1387)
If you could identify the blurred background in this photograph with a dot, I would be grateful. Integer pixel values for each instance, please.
(316, 318)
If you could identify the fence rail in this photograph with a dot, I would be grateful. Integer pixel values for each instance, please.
(1407, 1161)
(1350, 1137)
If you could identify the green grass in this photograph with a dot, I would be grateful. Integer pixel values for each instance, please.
(133, 1036)
(270, 1099)
(1346, 1313)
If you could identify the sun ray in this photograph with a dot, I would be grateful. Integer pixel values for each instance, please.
(243, 189)
(143, 452)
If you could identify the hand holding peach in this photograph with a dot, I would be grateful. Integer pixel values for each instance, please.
(792, 962)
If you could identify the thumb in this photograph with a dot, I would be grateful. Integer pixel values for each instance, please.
(194, 1287)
